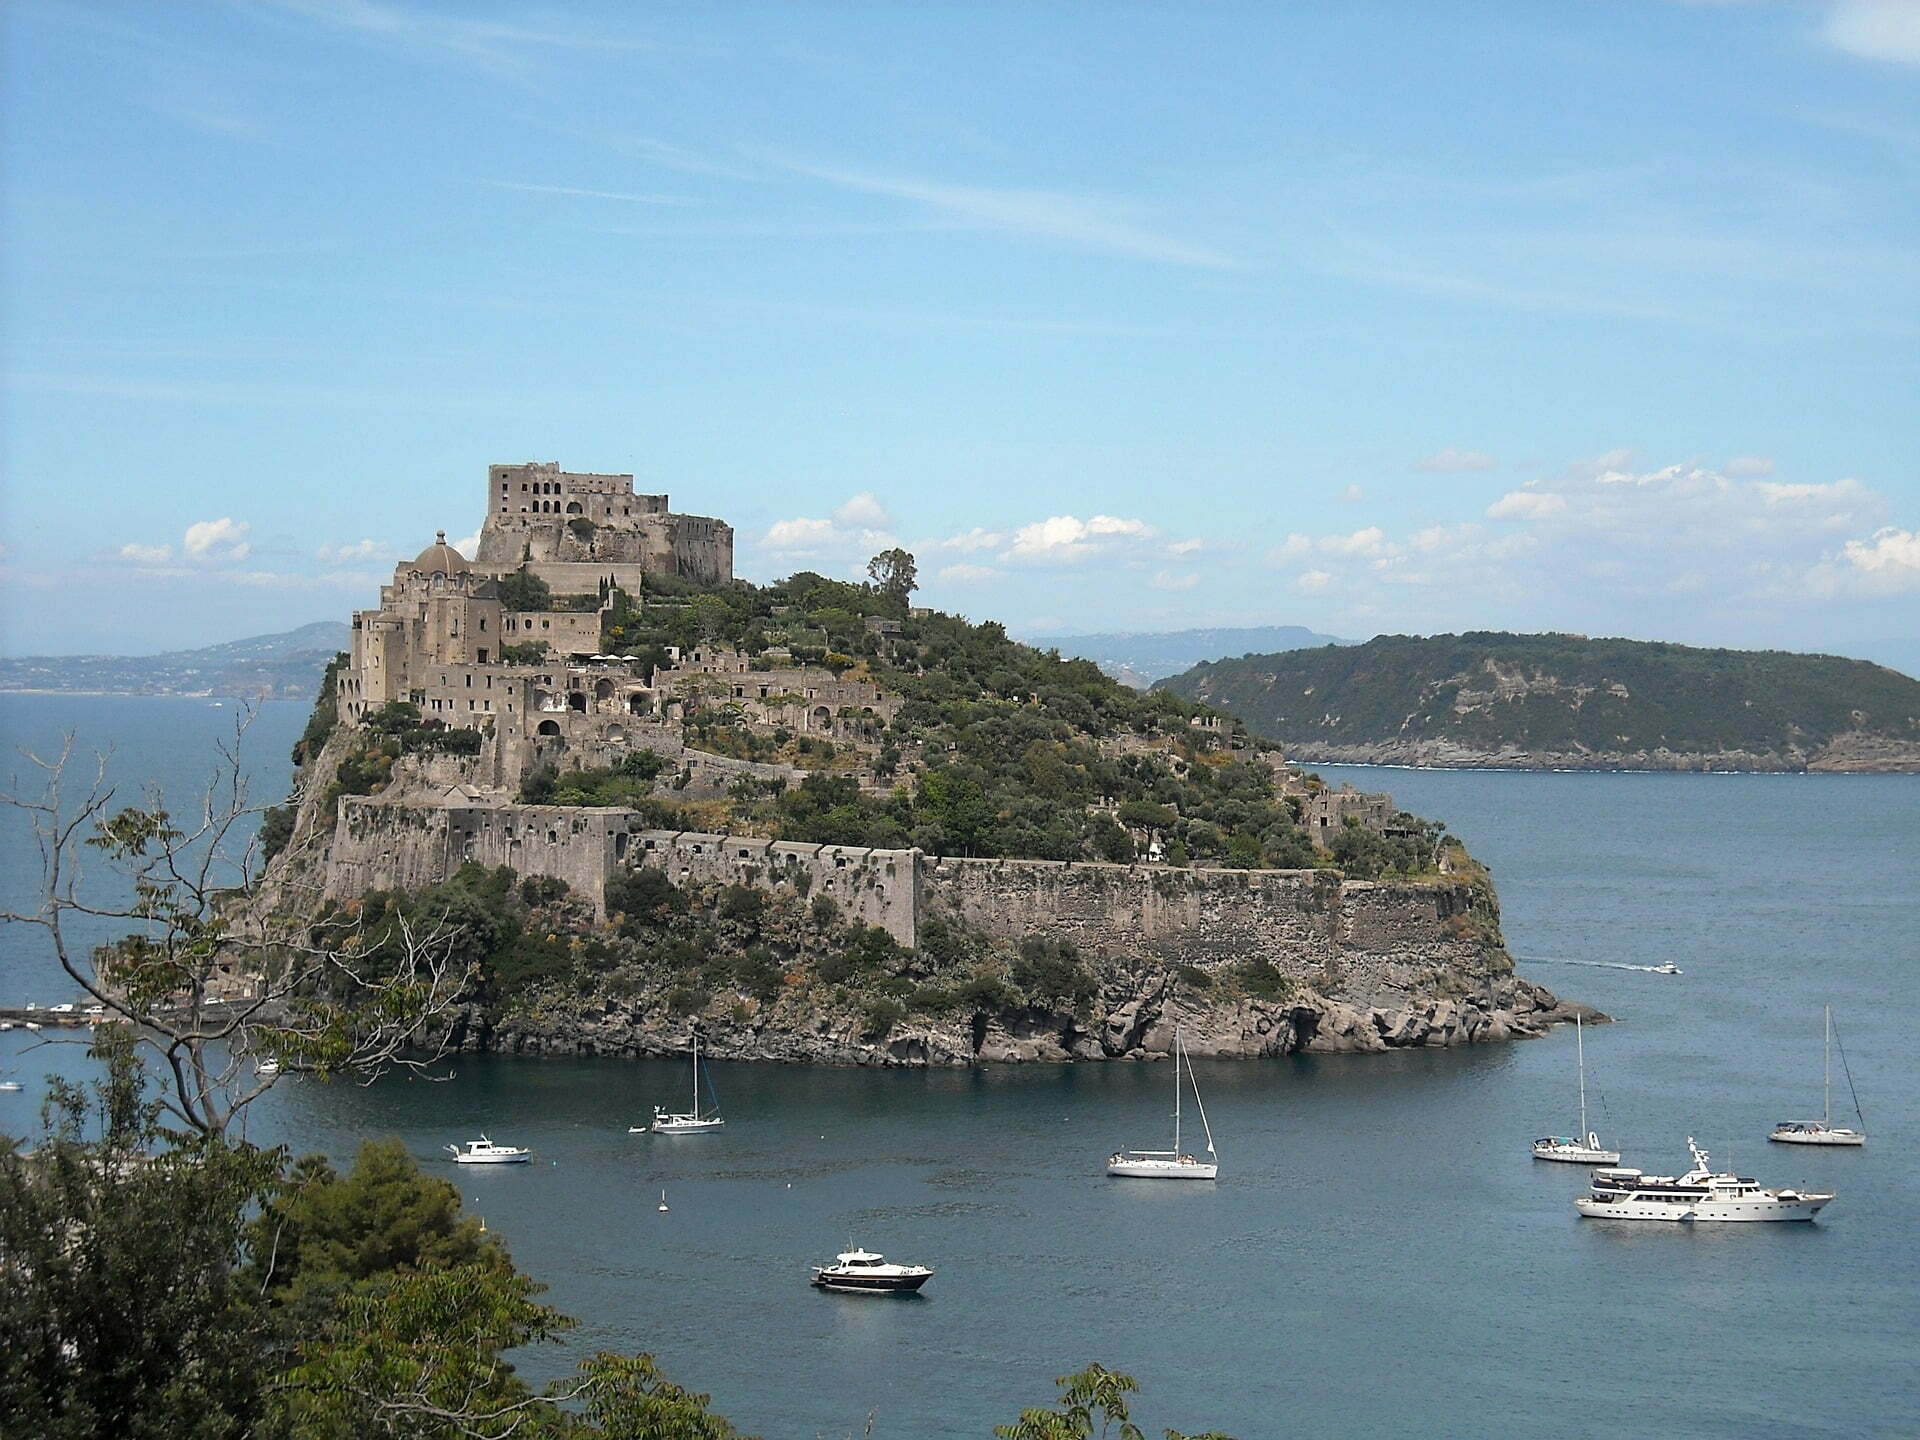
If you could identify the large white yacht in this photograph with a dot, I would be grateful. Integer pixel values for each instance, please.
(1700, 1194)
(484, 1152)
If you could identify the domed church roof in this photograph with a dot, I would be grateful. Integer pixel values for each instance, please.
(441, 558)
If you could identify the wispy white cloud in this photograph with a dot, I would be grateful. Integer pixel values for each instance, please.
(146, 554)
(966, 574)
(1067, 539)
(222, 541)
(358, 550)
(1077, 222)
(1450, 461)
(1747, 467)
(1876, 30)
(1174, 580)
(1526, 505)
(629, 197)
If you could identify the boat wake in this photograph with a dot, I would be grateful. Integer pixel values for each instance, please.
(1668, 969)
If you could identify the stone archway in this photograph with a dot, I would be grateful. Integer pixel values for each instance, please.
(822, 718)
(548, 727)
(577, 700)
(603, 690)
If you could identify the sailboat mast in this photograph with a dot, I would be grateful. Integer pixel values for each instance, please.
(1178, 1051)
(1580, 1051)
(696, 1074)
(1828, 1067)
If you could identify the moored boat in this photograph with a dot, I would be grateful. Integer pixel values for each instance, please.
(862, 1272)
(1174, 1164)
(1823, 1131)
(1585, 1147)
(484, 1152)
(691, 1122)
(1702, 1194)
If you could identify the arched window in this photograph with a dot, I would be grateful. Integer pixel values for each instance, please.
(549, 727)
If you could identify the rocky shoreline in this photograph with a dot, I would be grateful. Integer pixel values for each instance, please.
(1847, 754)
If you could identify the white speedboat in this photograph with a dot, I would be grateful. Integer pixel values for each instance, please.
(666, 1122)
(1667, 969)
(862, 1272)
(1823, 1131)
(10, 1085)
(1174, 1164)
(484, 1152)
(1583, 1148)
(1698, 1196)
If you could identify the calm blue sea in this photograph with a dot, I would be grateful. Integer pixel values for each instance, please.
(1381, 1257)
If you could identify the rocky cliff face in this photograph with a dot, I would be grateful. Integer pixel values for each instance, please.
(1852, 753)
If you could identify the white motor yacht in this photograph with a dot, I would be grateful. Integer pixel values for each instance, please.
(1699, 1195)
(484, 1152)
(1174, 1164)
(1575, 1149)
(1823, 1131)
(865, 1273)
(692, 1122)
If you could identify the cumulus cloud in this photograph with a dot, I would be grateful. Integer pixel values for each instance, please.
(1526, 505)
(1876, 30)
(359, 550)
(147, 554)
(861, 524)
(1169, 580)
(1313, 581)
(966, 574)
(1065, 539)
(1886, 562)
(218, 541)
(1368, 542)
(467, 545)
(1747, 467)
(1454, 461)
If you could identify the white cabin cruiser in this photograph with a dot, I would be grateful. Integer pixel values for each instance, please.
(865, 1273)
(1823, 1131)
(484, 1152)
(1698, 1195)
(1172, 1164)
(1572, 1148)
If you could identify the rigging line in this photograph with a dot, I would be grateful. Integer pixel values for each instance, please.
(1844, 1070)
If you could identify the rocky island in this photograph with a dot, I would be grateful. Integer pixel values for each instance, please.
(1566, 702)
(818, 823)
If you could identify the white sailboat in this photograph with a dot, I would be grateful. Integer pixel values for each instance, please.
(1172, 1164)
(1584, 1148)
(692, 1122)
(1823, 1131)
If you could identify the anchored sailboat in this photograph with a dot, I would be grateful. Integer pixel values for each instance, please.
(1584, 1148)
(692, 1122)
(1823, 1131)
(1171, 1164)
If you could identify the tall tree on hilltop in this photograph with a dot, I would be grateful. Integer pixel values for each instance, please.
(894, 574)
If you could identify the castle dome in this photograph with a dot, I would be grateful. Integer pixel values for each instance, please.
(441, 558)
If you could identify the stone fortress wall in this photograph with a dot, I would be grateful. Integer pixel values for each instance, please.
(576, 530)
(1380, 935)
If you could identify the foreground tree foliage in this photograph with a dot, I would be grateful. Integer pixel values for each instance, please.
(168, 1284)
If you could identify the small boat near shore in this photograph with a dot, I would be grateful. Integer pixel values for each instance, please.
(861, 1272)
(1174, 1164)
(1702, 1194)
(484, 1152)
(1583, 1148)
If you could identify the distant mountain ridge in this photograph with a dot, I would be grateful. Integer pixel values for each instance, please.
(1140, 659)
(1569, 702)
(283, 666)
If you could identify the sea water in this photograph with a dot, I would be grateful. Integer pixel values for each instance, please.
(1381, 1255)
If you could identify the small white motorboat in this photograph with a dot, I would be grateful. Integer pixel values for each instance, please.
(1823, 1131)
(861, 1272)
(1174, 1164)
(10, 1085)
(484, 1152)
(1583, 1148)
(1667, 969)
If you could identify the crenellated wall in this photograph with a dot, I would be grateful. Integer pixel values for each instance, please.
(1374, 942)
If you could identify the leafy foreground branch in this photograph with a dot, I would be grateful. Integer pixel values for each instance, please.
(167, 1284)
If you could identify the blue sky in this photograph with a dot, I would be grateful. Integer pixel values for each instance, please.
(1597, 317)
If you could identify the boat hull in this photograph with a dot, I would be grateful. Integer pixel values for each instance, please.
(871, 1284)
(1818, 1137)
(1703, 1211)
(519, 1159)
(1162, 1170)
(1576, 1154)
(676, 1126)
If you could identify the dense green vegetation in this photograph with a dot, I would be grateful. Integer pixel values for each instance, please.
(168, 1289)
(1578, 694)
